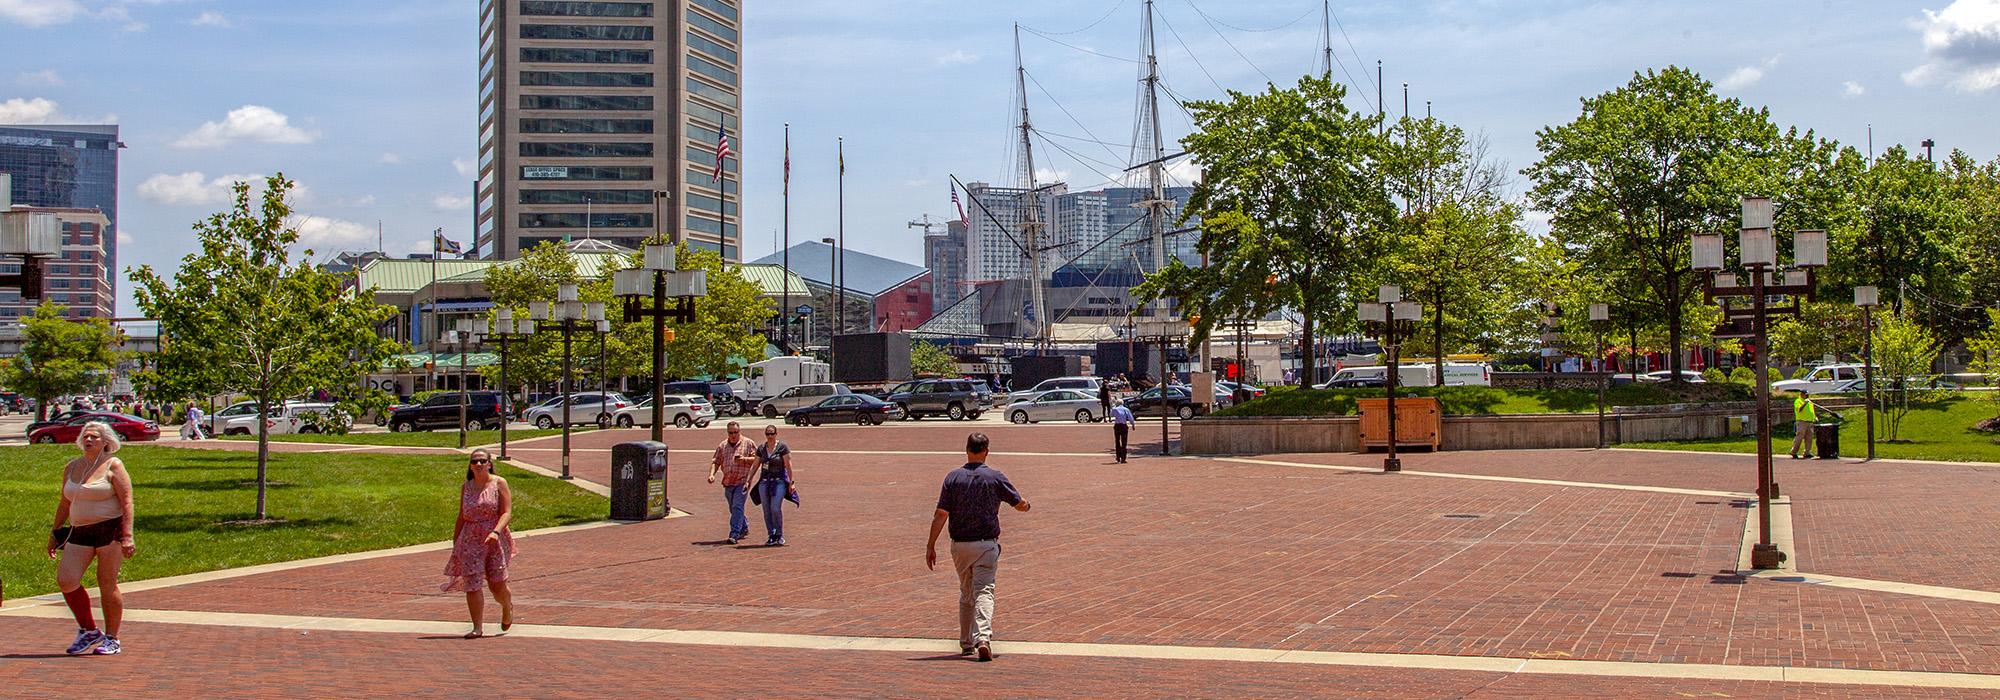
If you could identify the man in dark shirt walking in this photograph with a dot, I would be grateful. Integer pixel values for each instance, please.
(970, 503)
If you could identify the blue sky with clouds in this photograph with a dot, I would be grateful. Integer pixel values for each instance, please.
(369, 103)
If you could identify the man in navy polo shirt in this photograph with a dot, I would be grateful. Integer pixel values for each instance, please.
(970, 503)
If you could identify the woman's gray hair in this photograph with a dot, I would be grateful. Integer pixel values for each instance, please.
(111, 441)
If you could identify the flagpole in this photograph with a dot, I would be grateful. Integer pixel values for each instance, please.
(785, 311)
(437, 248)
(840, 245)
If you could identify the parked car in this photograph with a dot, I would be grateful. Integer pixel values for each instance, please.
(284, 419)
(482, 412)
(131, 428)
(1251, 391)
(1687, 375)
(799, 397)
(957, 399)
(682, 411)
(592, 408)
(1088, 384)
(719, 395)
(1820, 379)
(861, 409)
(56, 417)
(1859, 386)
(234, 419)
(1060, 404)
(1148, 403)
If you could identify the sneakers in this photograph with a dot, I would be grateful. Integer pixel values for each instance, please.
(107, 647)
(86, 640)
(733, 540)
(986, 652)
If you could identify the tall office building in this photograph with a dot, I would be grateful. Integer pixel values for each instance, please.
(994, 246)
(75, 169)
(600, 119)
(944, 256)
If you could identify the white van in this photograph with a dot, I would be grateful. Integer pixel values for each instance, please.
(1421, 374)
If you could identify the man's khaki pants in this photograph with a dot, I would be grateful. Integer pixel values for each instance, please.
(977, 562)
(1802, 434)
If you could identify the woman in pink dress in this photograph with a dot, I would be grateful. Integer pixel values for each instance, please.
(481, 545)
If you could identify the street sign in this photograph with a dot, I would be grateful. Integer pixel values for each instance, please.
(804, 309)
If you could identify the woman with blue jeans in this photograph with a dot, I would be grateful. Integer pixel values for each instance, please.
(773, 482)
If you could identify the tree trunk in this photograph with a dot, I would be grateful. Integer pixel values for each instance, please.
(1674, 321)
(263, 450)
(1309, 352)
(1437, 334)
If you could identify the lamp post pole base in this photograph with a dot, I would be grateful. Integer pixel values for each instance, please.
(1392, 464)
(1766, 556)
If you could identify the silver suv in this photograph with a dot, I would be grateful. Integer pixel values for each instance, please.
(1086, 384)
(798, 396)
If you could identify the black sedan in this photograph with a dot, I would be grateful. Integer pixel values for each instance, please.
(859, 409)
(1177, 403)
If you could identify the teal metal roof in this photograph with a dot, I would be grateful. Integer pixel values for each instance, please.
(770, 279)
(407, 276)
(588, 266)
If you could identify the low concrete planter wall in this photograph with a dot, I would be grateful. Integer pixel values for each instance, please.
(1272, 435)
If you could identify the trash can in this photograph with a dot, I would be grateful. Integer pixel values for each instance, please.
(1826, 440)
(639, 480)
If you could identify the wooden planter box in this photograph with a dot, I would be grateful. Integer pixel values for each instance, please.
(1418, 423)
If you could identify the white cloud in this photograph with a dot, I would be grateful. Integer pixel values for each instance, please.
(1747, 76)
(1852, 89)
(193, 188)
(247, 123)
(920, 182)
(466, 167)
(211, 18)
(447, 202)
(1046, 175)
(40, 78)
(41, 110)
(125, 238)
(958, 57)
(366, 200)
(389, 159)
(322, 233)
(1961, 46)
(40, 13)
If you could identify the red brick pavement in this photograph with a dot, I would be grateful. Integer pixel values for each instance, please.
(1921, 523)
(1627, 467)
(1191, 552)
(196, 661)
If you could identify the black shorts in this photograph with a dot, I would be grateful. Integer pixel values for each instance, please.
(98, 534)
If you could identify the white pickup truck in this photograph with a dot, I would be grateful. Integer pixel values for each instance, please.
(1820, 380)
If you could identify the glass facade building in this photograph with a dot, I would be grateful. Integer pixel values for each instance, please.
(601, 119)
(69, 167)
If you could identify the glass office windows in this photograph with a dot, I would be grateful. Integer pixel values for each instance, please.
(603, 103)
(710, 26)
(597, 220)
(567, 55)
(586, 126)
(533, 149)
(587, 32)
(586, 172)
(585, 79)
(711, 69)
(581, 196)
(705, 44)
(543, 8)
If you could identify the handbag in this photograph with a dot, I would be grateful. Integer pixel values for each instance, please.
(757, 495)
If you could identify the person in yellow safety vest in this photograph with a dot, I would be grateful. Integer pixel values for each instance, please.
(1804, 416)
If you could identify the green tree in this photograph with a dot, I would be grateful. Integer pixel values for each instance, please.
(1821, 329)
(1644, 167)
(722, 334)
(1900, 233)
(514, 284)
(59, 356)
(1292, 206)
(1985, 349)
(1904, 350)
(269, 326)
(929, 359)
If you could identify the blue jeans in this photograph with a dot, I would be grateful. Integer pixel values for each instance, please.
(773, 494)
(739, 526)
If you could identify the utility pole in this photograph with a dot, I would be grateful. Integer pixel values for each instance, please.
(1031, 220)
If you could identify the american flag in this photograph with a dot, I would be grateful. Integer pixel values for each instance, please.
(960, 206)
(722, 152)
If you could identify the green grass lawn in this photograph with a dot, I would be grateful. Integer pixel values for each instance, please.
(330, 504)
(1481, 400)
(442, 438)
(1935, 431)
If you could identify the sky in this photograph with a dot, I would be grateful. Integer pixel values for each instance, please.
(369, 104)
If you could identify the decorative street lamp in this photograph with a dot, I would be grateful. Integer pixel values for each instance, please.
(1389, 319)
(1758, 254)
(568, 317)
(1868, 298)
(659, 279)
(467, 334)
(507, 331)
(1600, 316)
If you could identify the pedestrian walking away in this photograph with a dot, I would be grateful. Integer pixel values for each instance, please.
(970, 504)
(93, 521)
(1805, 415)
(481, 545)
(1121, 429)
(773, 482)
(734, 460)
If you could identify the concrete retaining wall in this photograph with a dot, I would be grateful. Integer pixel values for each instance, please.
(1272, 435)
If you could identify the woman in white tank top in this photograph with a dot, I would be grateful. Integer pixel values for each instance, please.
(93, 522)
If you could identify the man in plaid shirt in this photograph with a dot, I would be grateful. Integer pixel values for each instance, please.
(735, 458)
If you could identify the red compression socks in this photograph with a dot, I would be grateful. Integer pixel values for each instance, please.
(79, 605)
